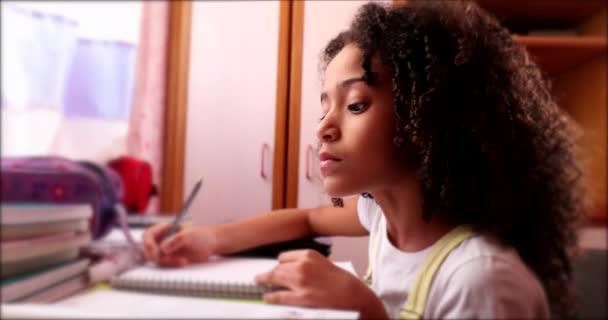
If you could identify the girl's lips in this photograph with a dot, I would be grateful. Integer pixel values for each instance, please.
(324, 156)
(328, 163)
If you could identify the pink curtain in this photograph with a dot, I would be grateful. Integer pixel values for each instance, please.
(144, 138)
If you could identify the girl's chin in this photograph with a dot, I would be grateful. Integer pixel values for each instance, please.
(336, 188)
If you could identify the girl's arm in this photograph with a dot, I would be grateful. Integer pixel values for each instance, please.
(197, 243)
(287, 224)
(312, 280)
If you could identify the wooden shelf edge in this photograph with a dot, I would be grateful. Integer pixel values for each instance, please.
(543, 13)
(556, 42)
(596, 221)
(559, 54)
(598, 216)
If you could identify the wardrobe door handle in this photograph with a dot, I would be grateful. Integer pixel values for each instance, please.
(265, 149)
(308, 153)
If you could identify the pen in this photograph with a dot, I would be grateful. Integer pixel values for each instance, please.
(182, 213)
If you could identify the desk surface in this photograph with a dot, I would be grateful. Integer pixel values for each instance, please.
(116, 236)
(113, 304)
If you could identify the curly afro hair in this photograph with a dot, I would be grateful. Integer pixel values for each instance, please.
(491, 147)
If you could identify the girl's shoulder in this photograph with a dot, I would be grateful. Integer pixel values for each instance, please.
(482, 247)
(487, 279)
(368, 211)
(484, 256)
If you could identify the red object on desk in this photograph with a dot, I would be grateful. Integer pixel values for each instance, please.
(137, 180)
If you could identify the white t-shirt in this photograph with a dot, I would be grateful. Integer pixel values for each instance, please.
(479, 279)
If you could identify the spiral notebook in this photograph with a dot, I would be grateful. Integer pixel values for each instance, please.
(225, 277)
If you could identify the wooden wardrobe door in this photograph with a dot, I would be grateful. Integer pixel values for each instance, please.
(231, 108)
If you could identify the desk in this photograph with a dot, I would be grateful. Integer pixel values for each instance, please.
(105, 303)
(117, 237)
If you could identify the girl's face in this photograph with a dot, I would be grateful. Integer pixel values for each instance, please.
(357, 128)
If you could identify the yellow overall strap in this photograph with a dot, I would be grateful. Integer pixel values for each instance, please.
(419, 292)
(372, 252)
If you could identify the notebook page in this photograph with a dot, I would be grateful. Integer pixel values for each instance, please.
(218, 270)
(348, 266)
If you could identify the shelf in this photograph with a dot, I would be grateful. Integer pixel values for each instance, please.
(557, 54)
(542, 14)
(598, 217)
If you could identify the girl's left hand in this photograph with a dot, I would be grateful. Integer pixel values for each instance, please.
(314, 281)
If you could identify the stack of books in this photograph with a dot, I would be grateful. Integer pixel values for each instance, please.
(41, 251)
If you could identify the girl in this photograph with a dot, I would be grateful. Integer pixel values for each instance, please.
(446, 132)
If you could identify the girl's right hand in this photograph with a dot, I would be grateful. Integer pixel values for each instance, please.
(190, 244)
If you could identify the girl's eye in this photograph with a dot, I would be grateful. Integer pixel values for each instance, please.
(357, 108)
(322, 117)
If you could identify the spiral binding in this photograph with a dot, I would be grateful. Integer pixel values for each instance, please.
(190, 287)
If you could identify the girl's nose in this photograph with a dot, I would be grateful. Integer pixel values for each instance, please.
(327, 131)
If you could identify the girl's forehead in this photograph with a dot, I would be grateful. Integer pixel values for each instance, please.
(346, 64)
(347, 58)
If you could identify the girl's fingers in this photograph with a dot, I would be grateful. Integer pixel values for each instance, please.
(172, 261)
(149, 251)
(174, 243)
(285, 297)
(152, 236)
(150, 247)
(266, 278)
(147, 254)
(282, 275)
(158, 231)
(294, 255)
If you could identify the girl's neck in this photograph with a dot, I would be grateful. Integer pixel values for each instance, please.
(402, 207)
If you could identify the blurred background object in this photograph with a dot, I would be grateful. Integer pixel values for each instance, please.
(84, 80)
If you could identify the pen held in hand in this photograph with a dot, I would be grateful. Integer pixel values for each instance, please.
(182, 213)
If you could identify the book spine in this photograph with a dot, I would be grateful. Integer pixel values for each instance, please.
(58, 291)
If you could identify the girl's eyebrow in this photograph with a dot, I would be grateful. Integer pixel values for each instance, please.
(343, 85)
